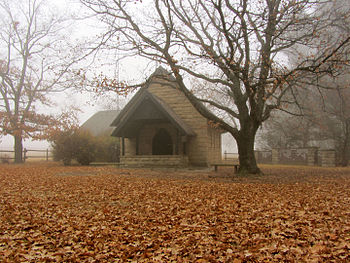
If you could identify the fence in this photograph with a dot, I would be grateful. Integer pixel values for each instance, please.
(230, 156)
(7, 155)
(296, 156)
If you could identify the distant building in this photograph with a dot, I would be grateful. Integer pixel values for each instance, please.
(160, 127)
(99, 123)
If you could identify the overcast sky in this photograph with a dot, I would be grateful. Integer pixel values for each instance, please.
(131, 69)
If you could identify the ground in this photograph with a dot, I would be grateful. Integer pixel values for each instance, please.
(51, 213)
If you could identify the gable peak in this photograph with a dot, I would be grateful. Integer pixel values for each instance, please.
(161, 72)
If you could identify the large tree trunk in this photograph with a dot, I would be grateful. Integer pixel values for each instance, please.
(245, 143)
(18, 149)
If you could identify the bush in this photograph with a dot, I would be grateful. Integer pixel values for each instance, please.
(74, 144)
(80, 145)
(108, 149)
(86, 146)
(63, 146)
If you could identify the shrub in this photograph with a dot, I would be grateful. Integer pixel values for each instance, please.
(86, 146)
(108, 149)
(74, 144)
(63, 146)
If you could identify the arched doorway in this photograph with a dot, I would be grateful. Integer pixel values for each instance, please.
(162, 143)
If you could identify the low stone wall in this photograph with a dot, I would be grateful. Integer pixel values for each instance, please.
(263, 156)
(327, 158)
(293, 156)
(299, 156)
(154, 161)
(312, 156)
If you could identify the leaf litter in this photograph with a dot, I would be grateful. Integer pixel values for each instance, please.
(292, 214)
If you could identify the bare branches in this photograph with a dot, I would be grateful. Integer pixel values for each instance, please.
(239, 45)
(35, 62)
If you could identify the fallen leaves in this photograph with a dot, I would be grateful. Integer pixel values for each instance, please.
(82, 214)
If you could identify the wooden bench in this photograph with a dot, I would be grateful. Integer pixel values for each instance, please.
(235, 165)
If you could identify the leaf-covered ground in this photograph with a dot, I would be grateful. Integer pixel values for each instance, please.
(50, 213)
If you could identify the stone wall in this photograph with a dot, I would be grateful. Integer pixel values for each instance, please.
(304, 156)
(327, 158)
(275, 156)
(263, 156)
(214, 145)
(154, 161)
(312, 156)
(130, 146)
(197, 146)
(293, 156)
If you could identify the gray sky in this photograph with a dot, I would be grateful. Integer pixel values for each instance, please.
(132, 68)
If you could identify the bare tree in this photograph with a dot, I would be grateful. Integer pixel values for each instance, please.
(325, 122)
(35, 61)
(323, 101)
(237, 47)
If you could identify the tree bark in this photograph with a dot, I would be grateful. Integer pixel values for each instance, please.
(245, 143)
(18, 149)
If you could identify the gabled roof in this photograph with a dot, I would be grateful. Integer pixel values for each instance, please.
(99, 123)
(162, 73)
(126, 126)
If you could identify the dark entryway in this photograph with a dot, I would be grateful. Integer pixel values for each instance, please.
(162, 143)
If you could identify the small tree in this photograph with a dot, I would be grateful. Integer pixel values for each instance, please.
(61, 135)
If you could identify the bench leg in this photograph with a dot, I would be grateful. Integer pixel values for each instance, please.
(215, 168)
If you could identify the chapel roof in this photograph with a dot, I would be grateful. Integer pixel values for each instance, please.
(125, 125)
(99, 123)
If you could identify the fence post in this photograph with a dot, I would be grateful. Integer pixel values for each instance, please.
(47, 155)
(225, 155)
(275, 156)
(24, 155)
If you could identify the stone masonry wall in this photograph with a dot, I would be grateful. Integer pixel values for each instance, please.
(197, 146)
(263, 156)
(154, 161)
(327, 157)
(310, 156)
(214, 145)
(275, 156)
(130, 146)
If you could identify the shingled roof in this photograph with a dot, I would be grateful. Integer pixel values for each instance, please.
(99, 123)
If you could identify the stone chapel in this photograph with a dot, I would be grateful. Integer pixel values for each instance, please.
(160, 127)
